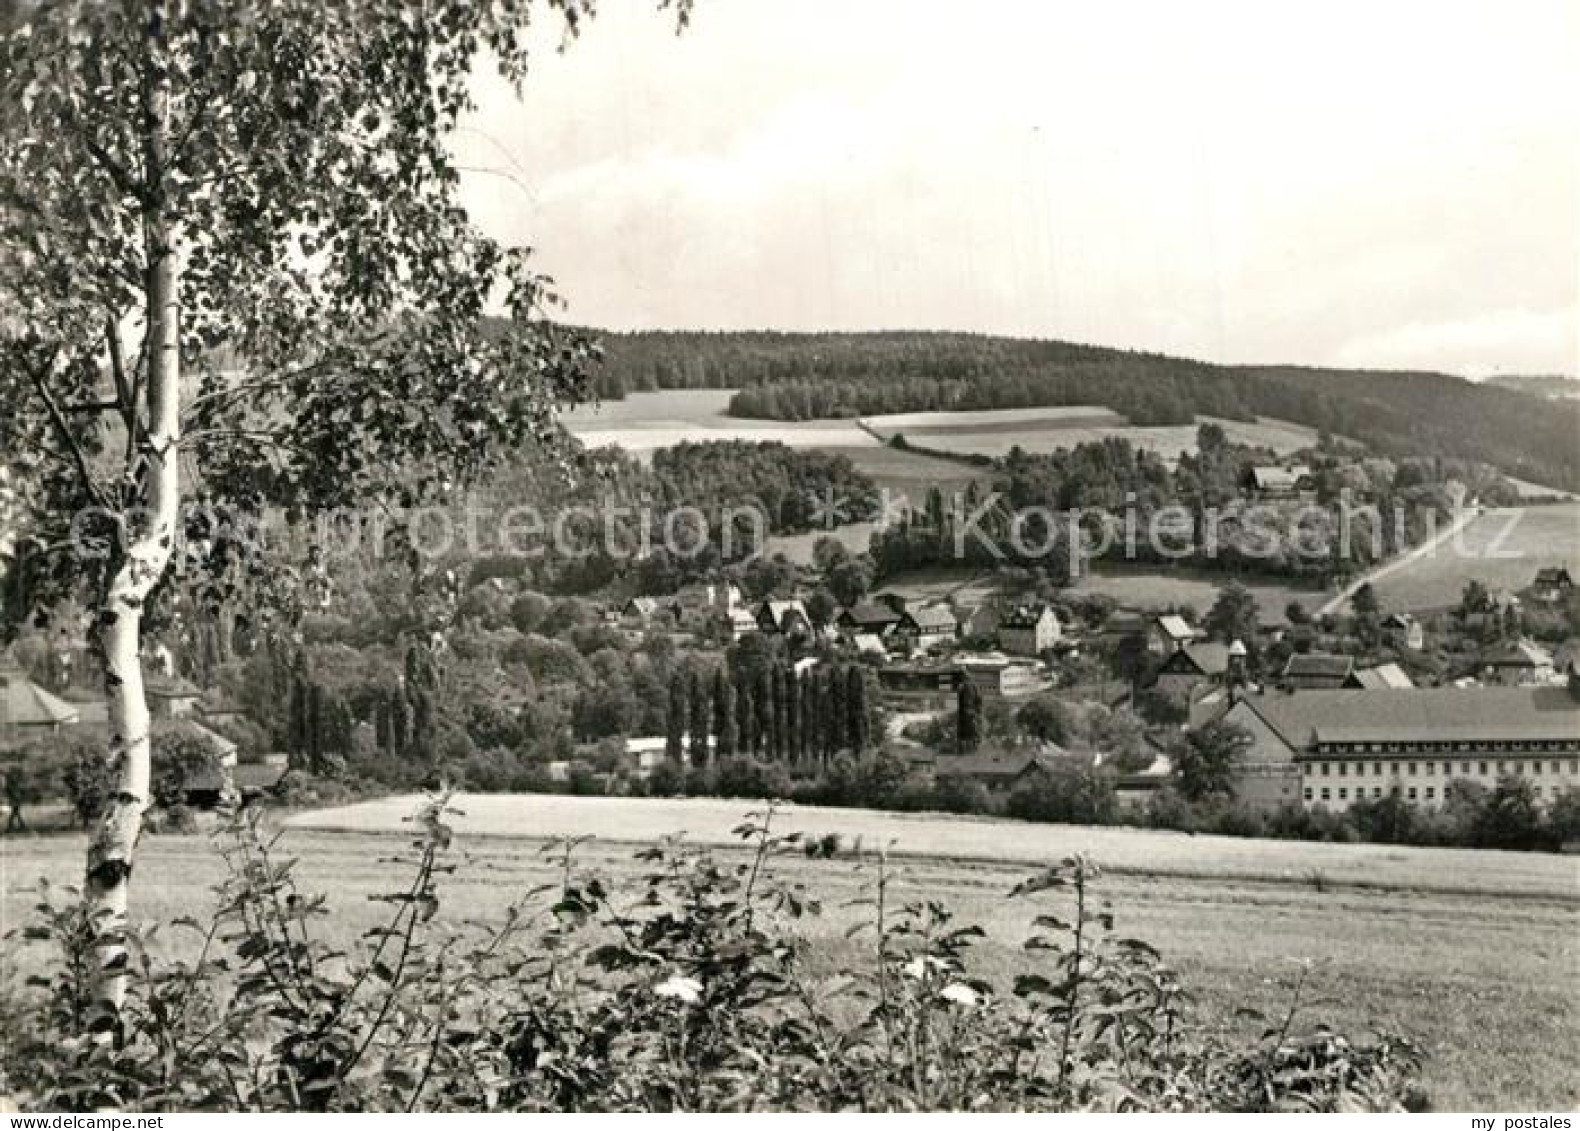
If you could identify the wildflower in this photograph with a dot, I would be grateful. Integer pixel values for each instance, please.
(959, 993)
(688, 990)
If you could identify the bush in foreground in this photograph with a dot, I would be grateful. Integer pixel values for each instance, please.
(692, 995)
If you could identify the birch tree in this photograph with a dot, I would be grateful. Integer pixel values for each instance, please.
(234, 273)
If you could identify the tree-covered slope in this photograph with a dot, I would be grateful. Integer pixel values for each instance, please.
(806, 376)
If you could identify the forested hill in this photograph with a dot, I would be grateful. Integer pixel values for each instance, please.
(807, 376)
(1538, 384)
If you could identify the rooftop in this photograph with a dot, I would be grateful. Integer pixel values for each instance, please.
(1023, 616)
(1176, 627)
(1318, 665)
(871, 613)
(1519, 654)
(24, 703)
(1433, 714)
(933, 616)
(1384, 677)
(1209, 658)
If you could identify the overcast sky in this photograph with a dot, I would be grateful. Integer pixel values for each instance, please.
(1354, 182)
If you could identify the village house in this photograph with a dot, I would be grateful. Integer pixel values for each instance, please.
(1000, 771)
(171, 697)
(1169, 633)
(891, 600)
(1552, 584)
(1028, 630)
(866, 644)
(1502, 605)
(717, 596)
(978, 622)
(920, 681)
(1304, 671)
(1404, 631)
(870, 617)
(1518, 662)
(925, 626)
(1134, 789)
(647, 753)
(1273, 482)
(1188, 668)
(742, 622)
(1381, 677)
(27, 711)
(641, 612)
(1351, 745)
(1121, 624)
(1000, 676)
(788, 618)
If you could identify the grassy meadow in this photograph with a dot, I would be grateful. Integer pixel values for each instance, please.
(1473, 954)
(995, 432)
(1146, 587)
(1502, 548)
(644, 422)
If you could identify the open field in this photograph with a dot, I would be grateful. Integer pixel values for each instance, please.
(1487, 983)
(1143, 587)
(910, 474)
(710, 821)
(1134, 587)
(643, 422)
(1501, 548)
(995, 432)
(856, 537)
(1529, 490)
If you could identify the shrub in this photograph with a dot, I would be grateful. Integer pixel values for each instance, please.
(1070, 794)
(747, 777)
(89, 780)
(694, 995)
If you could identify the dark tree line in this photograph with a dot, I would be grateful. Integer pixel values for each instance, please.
(318, 723)
(769, 715)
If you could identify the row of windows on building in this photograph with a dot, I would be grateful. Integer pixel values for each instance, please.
(1428, 793)
(1559, 745)
(1430, 769)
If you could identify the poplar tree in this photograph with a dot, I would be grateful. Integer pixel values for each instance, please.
(723, 715)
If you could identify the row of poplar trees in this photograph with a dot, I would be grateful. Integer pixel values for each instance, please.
(800, 721)
(318, 727)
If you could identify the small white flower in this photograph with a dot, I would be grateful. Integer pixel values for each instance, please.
(959, 993)
(688, 990)
(916, 968)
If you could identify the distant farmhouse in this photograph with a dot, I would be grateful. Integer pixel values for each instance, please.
(1518, 662)
(1273, 482)
(1028, 630)
(27, 711)
(1405, 631)
(1171, 632)
(871, 618)
(1382, 677)
(1552, 584)
(1000, 771)
(788, 618)
(1001, 676)
(1308, 670)
(925, 626)
(1188, 668)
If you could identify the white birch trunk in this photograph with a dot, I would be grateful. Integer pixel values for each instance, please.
(149, 541)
